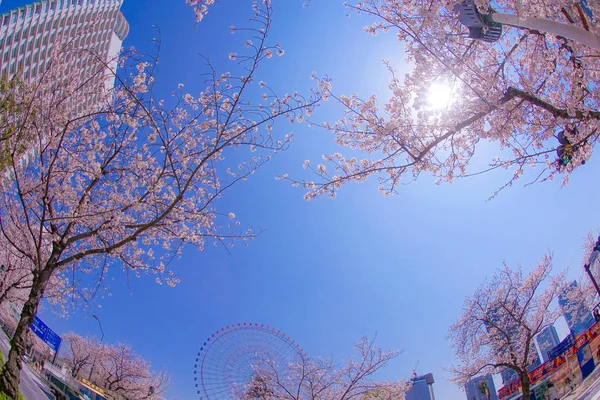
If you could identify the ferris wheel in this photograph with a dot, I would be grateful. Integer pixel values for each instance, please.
(228, 358)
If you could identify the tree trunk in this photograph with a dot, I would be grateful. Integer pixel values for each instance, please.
(525, 385)
(9, 379)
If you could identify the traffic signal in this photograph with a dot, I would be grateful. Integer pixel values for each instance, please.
(566, 150)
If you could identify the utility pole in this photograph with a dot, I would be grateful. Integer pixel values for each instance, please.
(101, 339)
(591, 261)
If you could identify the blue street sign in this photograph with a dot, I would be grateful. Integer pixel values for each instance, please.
(46, 334)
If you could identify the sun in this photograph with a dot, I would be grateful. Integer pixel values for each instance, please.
(439, 95)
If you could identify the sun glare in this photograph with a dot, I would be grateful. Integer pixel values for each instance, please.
(439, 95)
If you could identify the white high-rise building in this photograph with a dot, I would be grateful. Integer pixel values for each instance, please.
(28, 33)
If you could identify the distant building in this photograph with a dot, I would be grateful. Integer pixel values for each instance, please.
(28, 33)
(508, 375)
(422, 388)
(546, 341)
(578, 316)
(472, 388)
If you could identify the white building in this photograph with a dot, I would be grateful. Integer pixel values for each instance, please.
(28, 33)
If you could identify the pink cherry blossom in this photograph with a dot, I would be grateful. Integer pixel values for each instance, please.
(518, 93)
(321, 379)
(124, 183)
(501, 319)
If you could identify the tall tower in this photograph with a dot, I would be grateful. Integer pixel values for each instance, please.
(28, 34)
(422, 388)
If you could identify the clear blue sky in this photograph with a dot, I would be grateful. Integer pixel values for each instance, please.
(329, 272)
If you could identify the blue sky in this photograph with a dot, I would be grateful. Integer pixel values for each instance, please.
(329, 272)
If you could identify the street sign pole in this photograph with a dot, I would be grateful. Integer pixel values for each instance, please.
(56, 353)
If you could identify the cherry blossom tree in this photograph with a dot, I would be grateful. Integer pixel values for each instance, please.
(322, 379)
(16, 277)
(80, 352)
(526, 93)
(590, 293)
(499, 322)
(123, 183)
(121, 371)
(116, 368)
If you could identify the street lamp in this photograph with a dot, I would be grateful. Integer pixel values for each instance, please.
(488, 27)
(100, 325)
(101, 339)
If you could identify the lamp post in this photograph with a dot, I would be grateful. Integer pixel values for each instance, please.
(101, 339)
(488, 27)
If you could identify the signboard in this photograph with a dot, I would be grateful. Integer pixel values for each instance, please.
(46, 334)
(586, 361)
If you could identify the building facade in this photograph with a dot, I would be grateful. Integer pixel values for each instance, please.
(546, 341)
(508, 375)
(476, 387)
(422, 388)
(95, 29)
(579, 317)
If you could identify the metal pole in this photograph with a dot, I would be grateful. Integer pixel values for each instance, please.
(556, 28)
(592, 261)
(100, 325)
(101, 339)
(56, 353)
(92, 369)
(587, 269)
